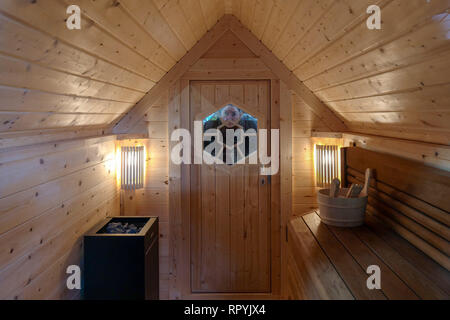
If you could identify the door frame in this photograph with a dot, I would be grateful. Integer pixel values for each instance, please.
(179, 198)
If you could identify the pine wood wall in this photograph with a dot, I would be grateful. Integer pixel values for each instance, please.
(53, 77)
(153, 199)
(304, 124)
(391, 82)
(50, 195)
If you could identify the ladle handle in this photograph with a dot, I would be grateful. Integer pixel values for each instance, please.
(368, 177)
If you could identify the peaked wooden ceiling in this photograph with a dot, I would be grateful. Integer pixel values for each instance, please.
(393, 81)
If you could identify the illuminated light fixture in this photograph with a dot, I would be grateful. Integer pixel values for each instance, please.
(132, 168)
(327, 164)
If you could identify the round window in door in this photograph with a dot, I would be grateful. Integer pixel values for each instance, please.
(231, 135)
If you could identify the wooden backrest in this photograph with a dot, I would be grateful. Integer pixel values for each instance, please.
(411, 198)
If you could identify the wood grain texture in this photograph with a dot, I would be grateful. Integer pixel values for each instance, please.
(231, 234)
(373, 82)
(407, 196)
(45, 213)
(283, 73)
(398, 172)
(153, 198)
(325, 262)
(327, 45)
(173, 75)
(121, 52)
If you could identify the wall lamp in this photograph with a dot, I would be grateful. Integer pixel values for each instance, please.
(132, 167)
(327, 164)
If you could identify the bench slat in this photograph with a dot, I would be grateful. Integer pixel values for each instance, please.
(301, 284)
(318, 274)
(351, 272)
(391, 285)
(421, 285)
(435, 272)
(411, 237)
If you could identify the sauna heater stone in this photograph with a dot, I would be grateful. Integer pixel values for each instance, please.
(121, 259)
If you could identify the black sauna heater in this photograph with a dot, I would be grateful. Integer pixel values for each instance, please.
(121, 260)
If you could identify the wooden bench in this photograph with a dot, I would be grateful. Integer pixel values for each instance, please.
(325, 262)
(410, 198)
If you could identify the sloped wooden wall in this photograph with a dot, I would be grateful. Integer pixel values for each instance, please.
(304, 124)
(50, 195)
(153, 199)
(53, 77)
(390, 82)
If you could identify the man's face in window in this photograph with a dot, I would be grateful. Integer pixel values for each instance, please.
(230, 116)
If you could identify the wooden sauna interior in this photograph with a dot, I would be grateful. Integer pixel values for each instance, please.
(137, 70)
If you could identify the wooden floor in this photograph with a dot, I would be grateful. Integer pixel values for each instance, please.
(327, 262)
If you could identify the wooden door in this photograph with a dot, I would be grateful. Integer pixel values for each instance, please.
(230, 204)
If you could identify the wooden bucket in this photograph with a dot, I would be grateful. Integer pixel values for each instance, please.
(341, 211)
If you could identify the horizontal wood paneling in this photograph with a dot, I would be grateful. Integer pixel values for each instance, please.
(33, 137)
(28, 100)
(153, 198)
(50, 195)
(409, 197)
(41, 168)
(377, 81)
(434, 155)
(25, 42)
(22, 74)
(132, 118)
(122, 50)
(304, 123)
(433, 184)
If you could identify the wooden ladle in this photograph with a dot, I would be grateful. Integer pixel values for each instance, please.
(368, 177)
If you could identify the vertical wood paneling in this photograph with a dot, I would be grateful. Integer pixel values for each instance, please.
(286, 159)
(231, 236)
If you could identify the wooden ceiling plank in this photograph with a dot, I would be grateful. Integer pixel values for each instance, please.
(304, 18)
(228, 6)
(280, 70)
(263, 10)
(149, 17)
(429, 72)
(414, 134)
(138, 112)
(338, 20)
(281, 13)
(22, 41)
(425, 120)
(113, 18)
(399, 17)
(211, 12)
(193, 13)
(432, 98)
(27, 100)
(13, 121)
(49, 15)
(176, 19)
(236, 8)
(23, 74)
(247, 12)
(34, 137)
(409, 49)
